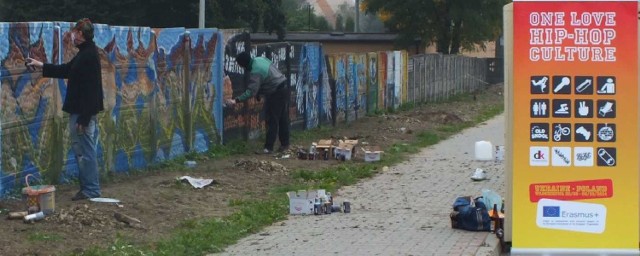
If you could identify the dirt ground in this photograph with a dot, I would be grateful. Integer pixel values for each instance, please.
(162, 203)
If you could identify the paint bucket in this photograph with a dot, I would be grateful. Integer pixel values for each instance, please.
(40, 196)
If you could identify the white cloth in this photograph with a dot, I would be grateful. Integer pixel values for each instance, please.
(197, 183)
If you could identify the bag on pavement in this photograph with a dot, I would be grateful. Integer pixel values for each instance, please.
(470, 214)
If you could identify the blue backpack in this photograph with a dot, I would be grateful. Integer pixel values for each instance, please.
(470, 214)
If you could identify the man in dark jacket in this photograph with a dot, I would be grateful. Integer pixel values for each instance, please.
(83, 101)
(266, 80)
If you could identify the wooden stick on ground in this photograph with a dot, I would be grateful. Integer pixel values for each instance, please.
(131, 221)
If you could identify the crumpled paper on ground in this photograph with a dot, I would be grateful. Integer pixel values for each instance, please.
(197, 183)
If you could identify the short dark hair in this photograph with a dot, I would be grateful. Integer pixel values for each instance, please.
(86, 27)
(243, 59)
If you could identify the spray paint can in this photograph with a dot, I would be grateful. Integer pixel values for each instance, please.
(34, 217)
(316, 207)
(327, 208)
(346, 206)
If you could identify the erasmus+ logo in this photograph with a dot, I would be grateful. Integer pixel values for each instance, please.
(551, 211)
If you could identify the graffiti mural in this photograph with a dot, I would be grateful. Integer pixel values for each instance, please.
(28, 103)
(382, 79)
(146, 85)
(170, 121)
(308, 84)
(360, 74)
(325, 94)
(372, 82)
(235, 122)
(164, 90)
(397, 80)
(206, 102)
(340, 76)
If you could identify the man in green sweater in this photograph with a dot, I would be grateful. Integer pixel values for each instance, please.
(266, 80)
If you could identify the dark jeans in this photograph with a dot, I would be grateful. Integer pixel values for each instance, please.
(276, 109)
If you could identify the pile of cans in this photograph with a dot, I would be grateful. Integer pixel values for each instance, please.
(325, 205)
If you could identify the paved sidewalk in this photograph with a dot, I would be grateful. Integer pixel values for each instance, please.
(404, 211)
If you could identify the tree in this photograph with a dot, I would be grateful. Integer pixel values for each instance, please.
(452, 25)
(349, 24)
(339, 23)
(322, 24)
(256, 15)
(300, 16)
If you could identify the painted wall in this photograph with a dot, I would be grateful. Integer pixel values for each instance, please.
(164, 91)
(167, 81)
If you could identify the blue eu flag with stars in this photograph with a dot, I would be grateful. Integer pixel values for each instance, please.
(551, 211)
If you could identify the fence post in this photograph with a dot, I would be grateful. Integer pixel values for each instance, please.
(188, 124)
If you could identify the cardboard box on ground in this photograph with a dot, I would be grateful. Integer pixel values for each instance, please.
(344, 150)
(301, 201)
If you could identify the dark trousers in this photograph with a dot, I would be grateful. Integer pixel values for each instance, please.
(276, 109)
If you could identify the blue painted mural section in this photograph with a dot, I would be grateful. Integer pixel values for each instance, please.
(341, 89)
(28, 102)
(206, 99)
(309, 84)
(168, 101)
(325, 95)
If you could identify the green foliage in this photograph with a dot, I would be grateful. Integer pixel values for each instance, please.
(301, 16)
(339, 23)
(452, 25)
(265, 15)
(350, 24)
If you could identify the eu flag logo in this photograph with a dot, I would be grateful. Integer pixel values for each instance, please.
(551, 211)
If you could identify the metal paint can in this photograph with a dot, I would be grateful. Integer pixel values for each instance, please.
(34, 217)
(346, 206)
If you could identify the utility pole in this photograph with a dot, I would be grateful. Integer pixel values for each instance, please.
(201, 16)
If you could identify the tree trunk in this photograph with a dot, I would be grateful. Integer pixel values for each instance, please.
(443, 42)
(455, 37)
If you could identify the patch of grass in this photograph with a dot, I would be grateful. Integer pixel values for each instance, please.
(215, 234)
(229, 149)
(43, 236)
(407, 106)
(120, 248)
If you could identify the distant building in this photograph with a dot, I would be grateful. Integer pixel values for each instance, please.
(338, 42)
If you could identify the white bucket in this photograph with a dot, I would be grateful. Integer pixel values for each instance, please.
(484, 150)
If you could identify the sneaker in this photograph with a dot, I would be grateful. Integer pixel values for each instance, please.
(479, 175)
(79, 196)
(263, 152)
